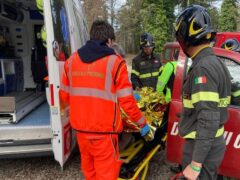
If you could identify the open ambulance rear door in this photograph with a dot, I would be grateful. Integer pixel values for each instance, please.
(66, 32)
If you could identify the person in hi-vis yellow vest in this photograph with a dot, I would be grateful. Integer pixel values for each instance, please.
(166, 78)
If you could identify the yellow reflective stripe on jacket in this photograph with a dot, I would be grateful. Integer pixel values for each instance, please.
(168, 96)
(205, 96)
(202, 96)
(236, 93)
(135, 72)
(155, 73)
(224, 102)
(192, 135)
(187, 103)
(147, 75)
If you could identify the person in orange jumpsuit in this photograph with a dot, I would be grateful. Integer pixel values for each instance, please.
(95, 85)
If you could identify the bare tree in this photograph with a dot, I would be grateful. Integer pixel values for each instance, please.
(112, 8)
(95, 9)
(129, 19)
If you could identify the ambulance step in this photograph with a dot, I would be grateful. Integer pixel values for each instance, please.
(25, 133)
(27, 149)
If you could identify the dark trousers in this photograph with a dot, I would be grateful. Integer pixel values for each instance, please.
(212, 161)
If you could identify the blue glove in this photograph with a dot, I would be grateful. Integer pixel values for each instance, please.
(137, 97)
(145, 130)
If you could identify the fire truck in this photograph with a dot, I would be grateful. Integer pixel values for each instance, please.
(223, 36)
(230, 166)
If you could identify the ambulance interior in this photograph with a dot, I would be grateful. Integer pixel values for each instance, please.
(24, 110)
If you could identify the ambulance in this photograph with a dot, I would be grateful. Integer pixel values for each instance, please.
(31, 123)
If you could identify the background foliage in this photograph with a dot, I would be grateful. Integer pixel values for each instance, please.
(228, 20)
(156, 17)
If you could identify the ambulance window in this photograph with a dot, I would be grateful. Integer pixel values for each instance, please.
(234, 69)
(61, 44)
(81, 24)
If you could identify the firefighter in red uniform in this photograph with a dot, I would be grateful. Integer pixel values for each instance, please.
(95, 83)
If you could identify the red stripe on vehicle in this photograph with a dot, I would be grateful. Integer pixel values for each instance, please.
(51, 94)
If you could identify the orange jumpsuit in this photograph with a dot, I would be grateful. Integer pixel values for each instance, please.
(95, 92)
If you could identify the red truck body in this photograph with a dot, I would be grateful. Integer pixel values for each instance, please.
(231, 163)
(223, 36)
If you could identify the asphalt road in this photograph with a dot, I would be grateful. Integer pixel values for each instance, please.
(46, 168)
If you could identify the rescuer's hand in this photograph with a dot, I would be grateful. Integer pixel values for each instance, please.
(137, 96)
(148, 132)
(192, 171)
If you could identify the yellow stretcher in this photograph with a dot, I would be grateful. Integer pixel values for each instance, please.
(142, 168)
(137, 156)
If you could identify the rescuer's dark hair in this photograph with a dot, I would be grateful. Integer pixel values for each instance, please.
(101, 30)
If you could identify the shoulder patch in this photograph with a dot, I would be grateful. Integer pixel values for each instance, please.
(200, 80)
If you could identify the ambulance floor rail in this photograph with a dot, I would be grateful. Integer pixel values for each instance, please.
(14, 106)
(142, 168)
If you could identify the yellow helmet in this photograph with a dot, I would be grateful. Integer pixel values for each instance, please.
(44, 36)
(39, 4)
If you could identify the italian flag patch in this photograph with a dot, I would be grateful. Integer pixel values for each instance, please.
(200, 80)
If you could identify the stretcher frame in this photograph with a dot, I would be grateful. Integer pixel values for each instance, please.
(130, 152)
